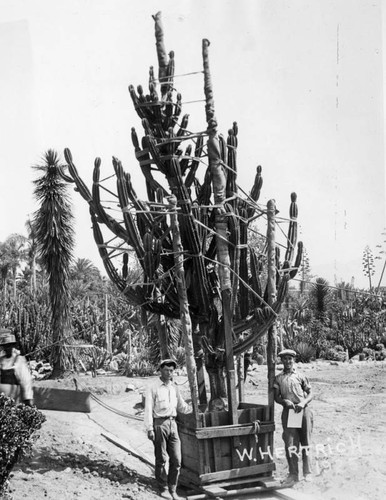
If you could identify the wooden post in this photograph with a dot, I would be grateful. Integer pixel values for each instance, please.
(240, 377)
(271, 346)
(184, 307)
(226, 296)
(107, 326)
(198, 349)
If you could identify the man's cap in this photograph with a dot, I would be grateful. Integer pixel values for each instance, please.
(168, 361)
(287, 352)
(6, 337)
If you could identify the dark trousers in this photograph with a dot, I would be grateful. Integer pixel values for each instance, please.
(293, 438)
(167, 444)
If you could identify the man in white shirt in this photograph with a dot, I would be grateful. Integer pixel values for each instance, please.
(163, 401)
(293, 391)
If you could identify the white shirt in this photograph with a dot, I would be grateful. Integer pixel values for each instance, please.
(163, 400)
(23, 374)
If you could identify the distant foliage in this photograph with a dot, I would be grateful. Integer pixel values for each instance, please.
(138, 366)
(305, 352)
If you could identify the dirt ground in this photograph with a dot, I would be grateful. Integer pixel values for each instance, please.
(73, 460)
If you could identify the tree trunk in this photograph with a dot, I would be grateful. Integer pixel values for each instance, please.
(163, 337)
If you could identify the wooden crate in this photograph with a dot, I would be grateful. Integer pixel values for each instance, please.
(219, 451)
(50, 398)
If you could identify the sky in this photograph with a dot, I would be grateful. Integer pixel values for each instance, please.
(303, 79)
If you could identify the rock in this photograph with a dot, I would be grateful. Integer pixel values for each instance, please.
(130, 387)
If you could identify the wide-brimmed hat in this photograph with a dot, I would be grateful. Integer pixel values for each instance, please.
(168, 361)
(6, 336)
(287, 352)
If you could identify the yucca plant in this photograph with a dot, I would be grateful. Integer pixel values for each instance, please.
(305, 352)
(54, 233)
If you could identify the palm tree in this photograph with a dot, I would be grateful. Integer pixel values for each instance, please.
(54, 232)
(16, 253)
(4, 271)
(85, 275)
(32, 254)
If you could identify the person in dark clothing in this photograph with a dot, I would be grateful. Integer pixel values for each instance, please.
(15, 375)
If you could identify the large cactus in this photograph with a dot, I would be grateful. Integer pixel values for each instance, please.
(200, 170)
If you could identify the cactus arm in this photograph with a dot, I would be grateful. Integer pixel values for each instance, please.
(81, 186)
(293, 228)
(161, 53)
(64, 176)
(255, 191)
(298, 261)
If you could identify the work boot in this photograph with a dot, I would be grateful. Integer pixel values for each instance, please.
(165, 494)
(174, 495)
(289, 481)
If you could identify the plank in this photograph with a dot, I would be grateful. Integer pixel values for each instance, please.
(231, 473)
(232, 430)
(243, 480)
(290, 494)
(217, 448)
(215, 491)
(124, 445)
(50, 398)
(205, 466)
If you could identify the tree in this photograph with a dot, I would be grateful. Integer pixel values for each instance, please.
(368, 264)
(31, 254)
(53, 229)
(381, 256)
(320, 296)
(16, 254)
(85, 278)
(12, 254)
(305, 271)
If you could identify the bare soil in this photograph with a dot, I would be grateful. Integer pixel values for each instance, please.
(73, 460)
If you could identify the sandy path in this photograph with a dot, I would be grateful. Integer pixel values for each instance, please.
(73, 460)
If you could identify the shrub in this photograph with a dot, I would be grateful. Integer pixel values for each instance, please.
(379, 347)
(18, 426)
(334, 354)
(96, 358)
(137, 366)
(306, 352)
(369, 353)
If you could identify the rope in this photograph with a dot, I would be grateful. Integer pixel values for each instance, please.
(169, 78)
(244, 283)
(105, 405)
